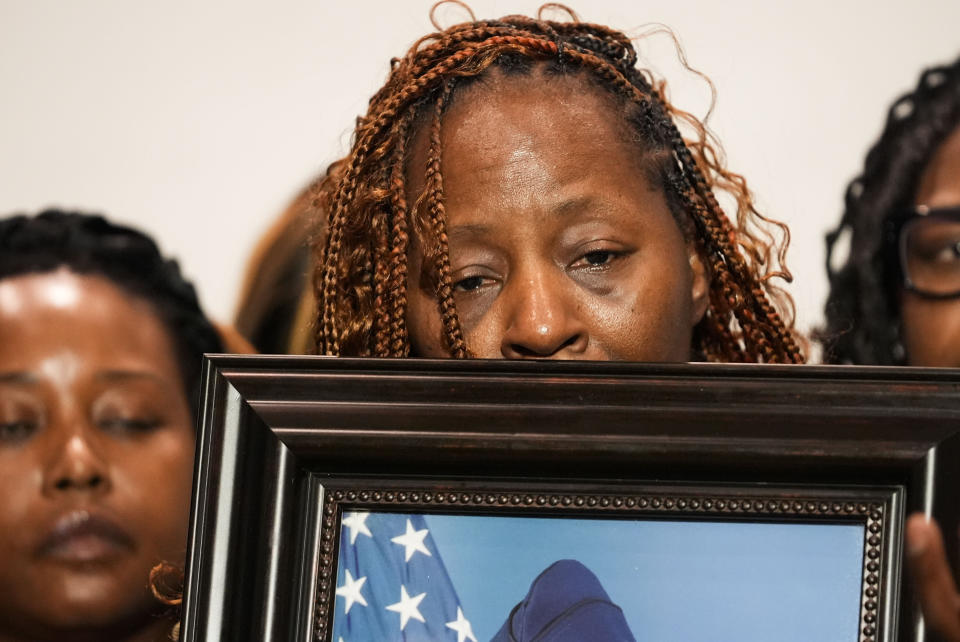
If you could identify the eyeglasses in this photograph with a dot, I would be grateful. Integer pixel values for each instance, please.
(929, 246)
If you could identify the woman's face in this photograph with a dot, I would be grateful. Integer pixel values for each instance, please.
(560, 245)
(96, 451)
(931, 328)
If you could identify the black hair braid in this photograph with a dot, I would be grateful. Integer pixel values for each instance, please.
(89, 244)
(862, 310)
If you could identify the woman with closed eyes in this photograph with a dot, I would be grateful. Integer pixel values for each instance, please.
(100, 351)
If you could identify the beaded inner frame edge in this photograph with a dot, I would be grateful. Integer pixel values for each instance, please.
(871, 507)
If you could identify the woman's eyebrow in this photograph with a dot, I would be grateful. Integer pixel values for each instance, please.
(573, 204)
(18, 376)
(123, 375)
(586, 203)
(468, 230)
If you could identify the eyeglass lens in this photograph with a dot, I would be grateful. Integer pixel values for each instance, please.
(931, 254)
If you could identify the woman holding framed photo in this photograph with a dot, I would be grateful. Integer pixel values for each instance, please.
(520, 189)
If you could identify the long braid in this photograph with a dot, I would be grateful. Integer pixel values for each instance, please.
(382, 260)
(721, 234)
(396, 326)
(333, 273)
(368, 201)
(453, 333)
(347, 186)
(758, 318)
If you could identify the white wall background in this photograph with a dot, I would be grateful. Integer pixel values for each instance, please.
(199, 120)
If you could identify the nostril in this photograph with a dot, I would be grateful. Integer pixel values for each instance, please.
(525, 351)
(68, 483)
(569, 342)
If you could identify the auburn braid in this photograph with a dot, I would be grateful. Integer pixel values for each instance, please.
(755, 314)
(453, 333)
(361, 279)
(398, 344)
(758, 319)
(381, 253)
(334, 273)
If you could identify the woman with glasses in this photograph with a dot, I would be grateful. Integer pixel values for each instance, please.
(895, 298)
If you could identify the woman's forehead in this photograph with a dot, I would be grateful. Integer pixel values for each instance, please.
(60, 312)
(940, 182)
(508, 124)
(499, 98)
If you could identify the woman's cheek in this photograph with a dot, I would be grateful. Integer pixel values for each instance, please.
(931, 331)
(155, 479)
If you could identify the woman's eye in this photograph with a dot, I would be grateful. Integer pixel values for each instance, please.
(16, 431)
(597, 258)
(129, 425)
(934, 241)
(468, 284)
(948, 254)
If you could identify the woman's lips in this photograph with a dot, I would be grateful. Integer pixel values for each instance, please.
(82, 537)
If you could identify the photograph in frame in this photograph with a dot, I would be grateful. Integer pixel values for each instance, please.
(507, 565)
(419, 576)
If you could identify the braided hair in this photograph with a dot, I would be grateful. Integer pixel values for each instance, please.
(361, 275)
(862, 310)
(87, 244)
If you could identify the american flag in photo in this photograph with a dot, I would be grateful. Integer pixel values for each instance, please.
(392, 585)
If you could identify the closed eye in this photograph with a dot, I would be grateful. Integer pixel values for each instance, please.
(133, 425)
(15, 431)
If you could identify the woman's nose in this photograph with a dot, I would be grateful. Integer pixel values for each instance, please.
(77, 466)
(544, 320)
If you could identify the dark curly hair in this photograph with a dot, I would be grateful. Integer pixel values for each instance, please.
(361, 276)
(89, 244)
(862, 310)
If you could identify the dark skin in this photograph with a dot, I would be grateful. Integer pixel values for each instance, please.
(96, 452)
(931, 328)
(931, 336)
(561, 247)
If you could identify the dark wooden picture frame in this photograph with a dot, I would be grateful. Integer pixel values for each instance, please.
(286, 445)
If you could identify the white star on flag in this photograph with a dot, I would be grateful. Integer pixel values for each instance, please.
(351, 591)
(412, 541)
(462, 627)
(407, 607)
(357, 523)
